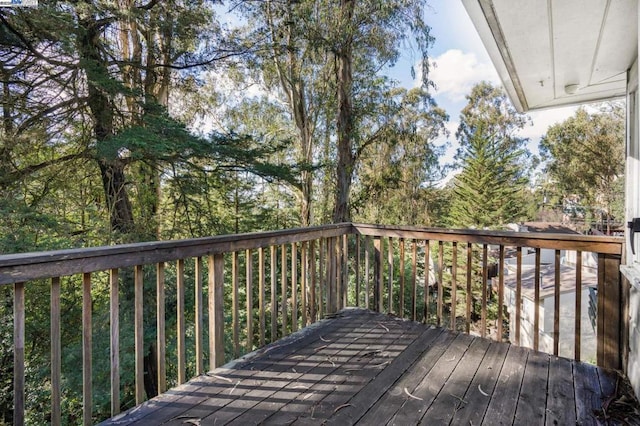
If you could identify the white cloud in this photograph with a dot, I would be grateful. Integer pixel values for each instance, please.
(543, 119)
(455, 72)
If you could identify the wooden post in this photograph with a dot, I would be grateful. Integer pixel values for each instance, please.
(181, 327)
(261, 293)
(402, 280)
(160, 326)
(87, 389)
(248, 264)
(18, 354)
(467, 325)
(536, 302)
(56, 353)
(216, 312)
(273, 258)
(578, 308)
(377, 275)
(556, 305)
(199, 319)
(344, 250)
(610, 321)
(138, 333)
(454, 285)
(389, 276)
(235, 315)
(294, 287)
(114, 347)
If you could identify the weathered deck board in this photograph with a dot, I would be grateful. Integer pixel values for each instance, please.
(366, 368)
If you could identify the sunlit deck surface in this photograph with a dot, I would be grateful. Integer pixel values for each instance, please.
(361, 367)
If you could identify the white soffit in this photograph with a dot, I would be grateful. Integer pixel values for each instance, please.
(541, 46)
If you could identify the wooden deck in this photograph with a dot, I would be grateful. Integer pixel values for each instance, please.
(366, 368)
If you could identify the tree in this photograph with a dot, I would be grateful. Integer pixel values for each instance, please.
(489, 191)
(364, 37)
(397, 176)
(585, 156)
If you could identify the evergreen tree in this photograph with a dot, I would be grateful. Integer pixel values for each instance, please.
(489, 191)
(586, 158)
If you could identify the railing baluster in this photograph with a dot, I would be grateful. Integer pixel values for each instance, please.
(402, 281)
(161, 341)
(87, 353)
(216, 310)
(357, 268)
(199, 317)
(294, 287)
(414, 287)
(518, 293)
(56, 353)
(114, 347)
(427, 290)
(283, 287)
(454, 284)
(248, 258)
(440, 282)
(261, 294)
(390, 276)
(578, 309)
(344, 265)
(469, 271)
(536, 303)
(485, 282)
(139, 333)
(274, 293)
(556, 305)
(500, 293)
(367, 276)
(180, 324)
(235, 282)
(18, 353)
(304, 275)
(322, 276)
(378, 275)
(312, 302)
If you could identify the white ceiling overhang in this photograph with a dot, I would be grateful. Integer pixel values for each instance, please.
(550, 53)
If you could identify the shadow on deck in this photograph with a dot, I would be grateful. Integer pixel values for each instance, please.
(368, 368)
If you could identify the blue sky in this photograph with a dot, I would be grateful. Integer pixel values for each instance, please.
(461, 61)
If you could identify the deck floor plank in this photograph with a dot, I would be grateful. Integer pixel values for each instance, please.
(504, 399)
(365, 368)
(451, 398)
(588, 393)
(377, 396)
(413, 408)
(532, 401)
(560, 393)
(482, 386)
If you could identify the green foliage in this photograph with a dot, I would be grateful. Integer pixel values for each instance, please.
(585, 158)
(489, 191)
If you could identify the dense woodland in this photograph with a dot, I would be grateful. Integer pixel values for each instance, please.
(127, 121)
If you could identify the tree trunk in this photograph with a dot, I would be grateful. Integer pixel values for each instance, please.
(345, 119)
(102, 110)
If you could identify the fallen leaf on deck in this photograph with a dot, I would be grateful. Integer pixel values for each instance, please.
(482, 392)
(340, 407)
(412, 396)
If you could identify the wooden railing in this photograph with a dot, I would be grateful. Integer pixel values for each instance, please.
(292, 278)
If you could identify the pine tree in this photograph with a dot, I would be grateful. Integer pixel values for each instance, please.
(489, 191)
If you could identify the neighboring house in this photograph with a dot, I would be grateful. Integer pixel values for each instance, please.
(547, 306)
(547, 301)
(567, 52)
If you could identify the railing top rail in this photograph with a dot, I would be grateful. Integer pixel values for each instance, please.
(31, 266)
(37, 265)
(588, 243)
